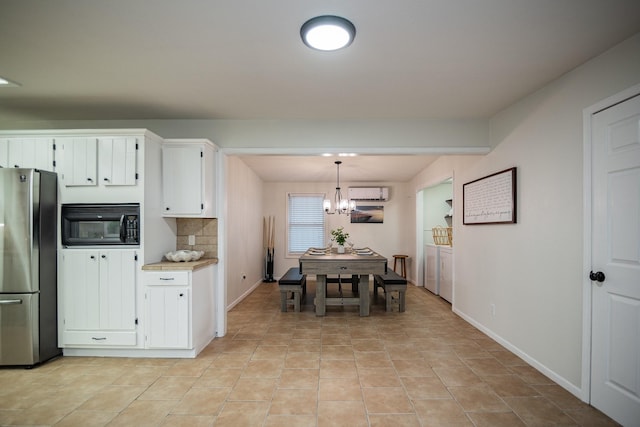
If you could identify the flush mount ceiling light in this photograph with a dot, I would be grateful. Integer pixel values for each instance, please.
(327, 32)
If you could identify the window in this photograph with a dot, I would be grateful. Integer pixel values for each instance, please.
(305, 222)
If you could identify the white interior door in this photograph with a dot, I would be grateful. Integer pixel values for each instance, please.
(615, 344)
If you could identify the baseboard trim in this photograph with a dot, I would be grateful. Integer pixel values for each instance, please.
(244, 295)
(560, 380)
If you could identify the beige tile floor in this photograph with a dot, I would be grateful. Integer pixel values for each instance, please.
(423, 367)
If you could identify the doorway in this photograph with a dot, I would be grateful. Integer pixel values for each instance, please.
(434, 208)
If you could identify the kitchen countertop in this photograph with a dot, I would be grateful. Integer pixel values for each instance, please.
(170, 265)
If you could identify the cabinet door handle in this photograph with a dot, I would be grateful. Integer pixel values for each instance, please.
(16, 301)
(181, 295)
(99, 338)
(103, 256)
(167, 278)
(89, 179)
(106, 179)
(93, 257)
(167, 209)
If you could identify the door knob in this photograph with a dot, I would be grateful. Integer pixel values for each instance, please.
(598, 276)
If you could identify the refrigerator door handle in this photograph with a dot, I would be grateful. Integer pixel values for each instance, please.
(10, 301)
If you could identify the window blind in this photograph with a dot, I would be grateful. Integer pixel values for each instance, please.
(305, 222)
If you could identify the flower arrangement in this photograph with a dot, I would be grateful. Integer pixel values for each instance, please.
(339, 236)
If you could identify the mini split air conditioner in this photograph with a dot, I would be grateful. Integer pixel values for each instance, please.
(379, 194)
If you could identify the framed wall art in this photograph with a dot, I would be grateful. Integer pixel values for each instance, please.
(491, 199)
(368, 214)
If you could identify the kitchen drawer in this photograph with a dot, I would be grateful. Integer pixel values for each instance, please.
(155, 278)
(99, 338)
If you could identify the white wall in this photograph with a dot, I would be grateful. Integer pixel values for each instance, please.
(244, 209)
(532, 271)
(393, 236)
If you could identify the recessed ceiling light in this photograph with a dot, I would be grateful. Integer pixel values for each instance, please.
(327, 32)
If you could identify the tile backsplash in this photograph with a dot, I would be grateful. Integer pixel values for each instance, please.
(205, 231)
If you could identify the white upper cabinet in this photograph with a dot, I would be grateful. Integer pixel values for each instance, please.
(79, 166)
(91, 161)
(117, 160)
(35, 153)
(188, 178)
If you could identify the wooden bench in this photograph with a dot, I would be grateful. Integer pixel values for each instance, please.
(391, 282)
(295, 282)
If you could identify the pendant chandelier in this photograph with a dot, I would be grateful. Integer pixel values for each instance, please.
(340, 205)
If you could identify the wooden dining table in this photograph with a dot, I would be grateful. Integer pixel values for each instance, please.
(359, 264)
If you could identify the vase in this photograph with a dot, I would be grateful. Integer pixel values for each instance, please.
(340, 249)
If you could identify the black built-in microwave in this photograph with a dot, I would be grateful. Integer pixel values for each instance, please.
(90, 224)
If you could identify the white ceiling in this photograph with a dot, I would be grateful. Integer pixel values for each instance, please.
(353, 169)
(243, 59)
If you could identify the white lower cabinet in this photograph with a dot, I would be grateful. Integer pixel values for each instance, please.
(179, 310)
(168, 316)
(99, 303)
(168, 309)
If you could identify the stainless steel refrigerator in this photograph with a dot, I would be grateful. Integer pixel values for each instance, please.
(28, 272)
